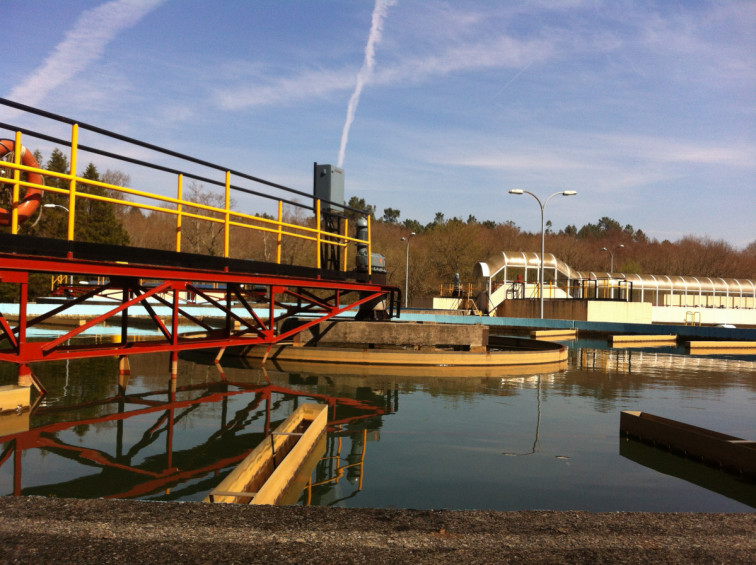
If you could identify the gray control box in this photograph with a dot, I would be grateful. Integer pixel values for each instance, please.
(329, 185)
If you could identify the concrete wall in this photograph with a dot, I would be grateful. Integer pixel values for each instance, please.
(581, 310)
(13, 397)
(555, 310)
(626, 312)
(446, 303)
(409, 334)
(706, 316)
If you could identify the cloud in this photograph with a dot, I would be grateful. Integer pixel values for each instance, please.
(501, 52)
(708, 44)
(603, 162)
(671, 151)
(304, 86)
(82, 45)
(567, 150)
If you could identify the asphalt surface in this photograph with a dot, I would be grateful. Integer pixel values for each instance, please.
(49, 530)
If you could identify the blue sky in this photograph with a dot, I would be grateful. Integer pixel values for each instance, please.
(646, 108)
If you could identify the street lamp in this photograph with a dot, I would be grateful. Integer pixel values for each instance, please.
(611, 255)
(47, 206)
(543, 232)
(406, 271)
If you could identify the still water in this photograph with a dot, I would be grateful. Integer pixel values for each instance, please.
(518, 441)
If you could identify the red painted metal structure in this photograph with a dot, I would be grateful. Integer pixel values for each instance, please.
(286, 296)
(250, 298)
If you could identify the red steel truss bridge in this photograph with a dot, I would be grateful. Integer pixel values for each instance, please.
(234, 293)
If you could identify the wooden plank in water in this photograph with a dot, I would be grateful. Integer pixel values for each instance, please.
(554, 334)
(747, 347)
(269, 471)
(730, 452)
(643, 338)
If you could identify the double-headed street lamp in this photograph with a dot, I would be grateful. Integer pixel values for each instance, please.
(406, 271)
(543, 232)
(611, 254)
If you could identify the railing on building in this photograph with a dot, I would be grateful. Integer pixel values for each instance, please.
(600, 289)
(692, 318)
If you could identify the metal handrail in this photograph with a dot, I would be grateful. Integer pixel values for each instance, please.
(224, 215)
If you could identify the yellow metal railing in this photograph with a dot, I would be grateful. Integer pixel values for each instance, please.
(338, 472)
(466, 293)
(692, 318)
(178, 207)
(57, 281)
(460, 290)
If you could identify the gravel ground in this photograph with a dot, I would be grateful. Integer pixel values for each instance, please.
(49, 530)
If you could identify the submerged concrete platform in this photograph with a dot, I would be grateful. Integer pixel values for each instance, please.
(382, 344)
(49, 530)
(408, 358)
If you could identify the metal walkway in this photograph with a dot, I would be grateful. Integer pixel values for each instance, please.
(561, 281)
(321, 288)
(294, 291)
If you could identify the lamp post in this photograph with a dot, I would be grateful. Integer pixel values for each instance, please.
(543, 232)
(611, 255)
(406, 271)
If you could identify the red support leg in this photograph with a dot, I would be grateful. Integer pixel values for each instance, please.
(27, 378)
(24, 376)
(174, 365)
(124, 372)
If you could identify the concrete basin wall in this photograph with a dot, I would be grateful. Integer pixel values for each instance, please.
(396, 334)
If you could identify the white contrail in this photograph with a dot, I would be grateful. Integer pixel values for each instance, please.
(83, 44)
(376, 27)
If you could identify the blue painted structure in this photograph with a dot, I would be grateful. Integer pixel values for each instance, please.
(692, 332)
(689, 332)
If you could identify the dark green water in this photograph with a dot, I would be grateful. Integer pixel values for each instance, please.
(515, 442)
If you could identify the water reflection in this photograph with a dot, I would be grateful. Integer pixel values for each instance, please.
(422, 441)
(697, 473)
(537, 426)
(171, 443)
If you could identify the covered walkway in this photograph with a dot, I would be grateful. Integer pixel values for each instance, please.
(513, 275)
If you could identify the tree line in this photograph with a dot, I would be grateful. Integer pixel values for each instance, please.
(438, 250)
(445, 247)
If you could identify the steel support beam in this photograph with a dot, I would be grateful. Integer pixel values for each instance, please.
(229, 302)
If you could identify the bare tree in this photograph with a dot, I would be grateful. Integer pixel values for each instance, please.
(203, 236)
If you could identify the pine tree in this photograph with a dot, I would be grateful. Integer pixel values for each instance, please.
(96, 221)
